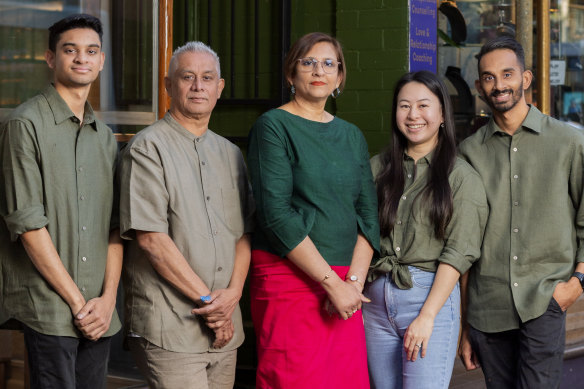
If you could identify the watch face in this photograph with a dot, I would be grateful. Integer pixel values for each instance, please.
(353, 278)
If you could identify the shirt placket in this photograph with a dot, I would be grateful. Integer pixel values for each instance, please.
(404, 209)
(516, 229)
(84, 227)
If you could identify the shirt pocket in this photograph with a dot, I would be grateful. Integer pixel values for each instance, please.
(232, 210)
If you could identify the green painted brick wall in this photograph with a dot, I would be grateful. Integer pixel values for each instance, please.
(373, 34)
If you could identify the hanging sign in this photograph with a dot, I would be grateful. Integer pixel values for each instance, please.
(423, 31)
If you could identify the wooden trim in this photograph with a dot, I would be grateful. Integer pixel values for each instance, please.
(543, 56)
(164, 52)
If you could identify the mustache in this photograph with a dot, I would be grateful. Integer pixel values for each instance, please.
(497, 92)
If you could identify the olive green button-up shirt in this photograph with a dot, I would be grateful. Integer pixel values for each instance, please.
(58, 174)
(535, 229)
(194, 189)
(412, 241)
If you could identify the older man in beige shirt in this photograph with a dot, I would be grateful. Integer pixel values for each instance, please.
(187, 209)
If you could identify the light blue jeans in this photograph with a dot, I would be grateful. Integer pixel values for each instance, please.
(387, 317)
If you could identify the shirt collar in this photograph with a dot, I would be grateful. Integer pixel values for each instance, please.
(426, 159)
(171, 121)
(531, 122)
(62, 112)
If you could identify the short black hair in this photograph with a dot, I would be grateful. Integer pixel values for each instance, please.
(502, 42)
(71, 22)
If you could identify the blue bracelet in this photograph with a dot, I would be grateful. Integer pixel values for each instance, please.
(206, 299)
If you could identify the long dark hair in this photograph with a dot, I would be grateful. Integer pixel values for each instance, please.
(390, 180)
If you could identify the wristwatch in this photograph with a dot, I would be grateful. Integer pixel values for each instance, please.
(354, 278)
(580, 277)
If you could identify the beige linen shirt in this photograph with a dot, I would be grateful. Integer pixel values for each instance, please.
(195, 189)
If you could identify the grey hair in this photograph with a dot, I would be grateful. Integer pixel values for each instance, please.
(193, 47)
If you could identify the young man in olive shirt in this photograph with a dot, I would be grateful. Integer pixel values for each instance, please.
(531, 264)
(60, 253)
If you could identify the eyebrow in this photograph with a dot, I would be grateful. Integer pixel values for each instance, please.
(407, 101)
(74, 44)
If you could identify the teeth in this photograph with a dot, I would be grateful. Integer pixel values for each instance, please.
(415, 126)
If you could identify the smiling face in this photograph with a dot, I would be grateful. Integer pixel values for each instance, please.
(315, 85)
(418, 115)
(194, 86)
(502, 80)
(78, 58)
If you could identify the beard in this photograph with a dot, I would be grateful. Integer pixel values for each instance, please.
(515, 94)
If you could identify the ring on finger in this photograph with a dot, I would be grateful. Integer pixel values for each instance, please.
(418, 345)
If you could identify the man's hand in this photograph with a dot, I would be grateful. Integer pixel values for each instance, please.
(223, 334)
(94, 319)
(219, 310)
(567, 292)
(467, 355)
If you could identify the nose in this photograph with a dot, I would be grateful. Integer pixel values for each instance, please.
(499, 84)
(197, 84)
(318, 68)
(80, 57)
(413, 113)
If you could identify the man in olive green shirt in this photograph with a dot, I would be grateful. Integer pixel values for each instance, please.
(60, 257)
(186, 208)
(531, 264)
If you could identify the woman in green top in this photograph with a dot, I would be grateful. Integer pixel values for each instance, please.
(317, 230)
(432, 213)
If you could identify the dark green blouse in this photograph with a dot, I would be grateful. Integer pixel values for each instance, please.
(311, 179)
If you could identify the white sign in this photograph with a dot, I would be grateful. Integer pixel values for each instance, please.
(557, 72)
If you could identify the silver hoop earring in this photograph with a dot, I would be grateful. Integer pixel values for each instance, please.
(338, 92)
(292, 89)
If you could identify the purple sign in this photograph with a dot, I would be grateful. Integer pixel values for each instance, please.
(423, 31)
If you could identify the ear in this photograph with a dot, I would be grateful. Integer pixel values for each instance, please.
(50, 59)
(220, 86)
(102, 61)
(527, 78)
(167, 86)
(479, 88)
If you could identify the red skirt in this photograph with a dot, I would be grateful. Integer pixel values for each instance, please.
(299, 344)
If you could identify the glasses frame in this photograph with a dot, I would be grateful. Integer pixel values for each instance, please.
(315, 62)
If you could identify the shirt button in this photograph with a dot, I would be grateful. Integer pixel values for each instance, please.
(84, 259)
(516, 176)
(515, 284)
(397, 249)
(409, 176)
(215, 232)
(514, 148)
(404, 197)
(198, 140)
(516, 230)
(219, 268)
(516, 203)
(80, 169)
(83, 288)
(84, 228)
(515, 257)
(208, 198)
(82, 197)
(203, 163)
(399, 222)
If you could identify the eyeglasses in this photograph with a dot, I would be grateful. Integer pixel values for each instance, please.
(329, 66)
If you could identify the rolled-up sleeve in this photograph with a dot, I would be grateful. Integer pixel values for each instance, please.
(21, 180)
(464, 234)
(366, 206)
(143, 194)
(272, 180)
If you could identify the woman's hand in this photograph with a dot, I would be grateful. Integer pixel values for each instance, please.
(345, 298)
(417, 336)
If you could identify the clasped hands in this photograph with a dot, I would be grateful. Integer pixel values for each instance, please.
(217, 313)
(344, 298)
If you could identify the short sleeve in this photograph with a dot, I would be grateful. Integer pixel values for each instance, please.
(21, 184)
(143, 194)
